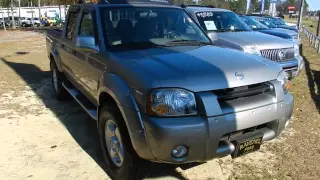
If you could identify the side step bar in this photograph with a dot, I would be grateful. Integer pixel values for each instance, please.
(90, 108)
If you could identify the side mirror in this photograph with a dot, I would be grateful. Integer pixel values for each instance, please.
(86, 43)
(213, 36)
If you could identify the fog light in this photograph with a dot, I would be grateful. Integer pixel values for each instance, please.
(179, 151)
(286, 125)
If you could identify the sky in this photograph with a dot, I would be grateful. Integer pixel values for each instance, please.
(314, 4)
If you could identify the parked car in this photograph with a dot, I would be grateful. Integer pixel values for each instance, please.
(286, 23)
(36, 22)
(227, 29)
(158, 88)
(279, 32)
(25, 22)
(8, 21)
(279, 24)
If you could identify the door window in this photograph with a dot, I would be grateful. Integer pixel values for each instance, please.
(71, 25)
(86, 26)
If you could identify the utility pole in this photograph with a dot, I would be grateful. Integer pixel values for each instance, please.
(39, 9)
(300, 14)
(19, 9)
(32, 14)
(3, 23)
(12, 18)
(318, 29)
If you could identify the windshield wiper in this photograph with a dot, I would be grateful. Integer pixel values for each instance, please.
(138, 45)
(187, 42)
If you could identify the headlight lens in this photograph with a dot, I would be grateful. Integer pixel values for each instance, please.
(283, 79)
(296, 50)
(295, 36)
(171, 102)
(252, 50)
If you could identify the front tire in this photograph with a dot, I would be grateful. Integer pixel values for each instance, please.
(122, 162)
(57, 80)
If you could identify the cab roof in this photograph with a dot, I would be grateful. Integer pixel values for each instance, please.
(125, 2)
(196, 9)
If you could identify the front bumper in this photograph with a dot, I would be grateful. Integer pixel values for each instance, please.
(208, 137)
(293, 67)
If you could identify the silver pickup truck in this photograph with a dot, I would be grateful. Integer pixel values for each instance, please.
(159, 90)
(227, 29)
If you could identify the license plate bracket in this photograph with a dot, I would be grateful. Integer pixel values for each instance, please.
(247, 145)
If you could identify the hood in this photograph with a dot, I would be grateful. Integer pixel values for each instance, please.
(201, 68)
(287, 31)
(276, 33)
(291, 24)
(251, 38)
(287, 27)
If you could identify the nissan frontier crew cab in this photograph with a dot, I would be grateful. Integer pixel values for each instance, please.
(227, 29)
(158, 89)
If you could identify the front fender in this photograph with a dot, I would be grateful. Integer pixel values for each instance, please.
(120, 92)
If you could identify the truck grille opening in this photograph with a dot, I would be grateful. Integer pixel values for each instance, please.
(278, 55)
(242, 92)
(235, 134)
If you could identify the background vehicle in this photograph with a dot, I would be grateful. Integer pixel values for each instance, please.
(8, 21)
(226, 29)
(276, 23)
(279, 32)
(286, 23)
(36, 22)
(158, 88)
(25, 22)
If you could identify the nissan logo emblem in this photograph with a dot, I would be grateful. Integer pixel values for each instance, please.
(281, 55)
(239, 76)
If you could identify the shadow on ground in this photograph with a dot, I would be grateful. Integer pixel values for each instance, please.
(313, 83)
(77, 122)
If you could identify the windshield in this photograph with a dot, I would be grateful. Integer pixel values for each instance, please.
(253, 23)
(266, 22)
(281, 21)
(275, 21)
(221, 21)
(141, 27)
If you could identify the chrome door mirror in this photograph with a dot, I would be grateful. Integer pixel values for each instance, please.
(86, 43)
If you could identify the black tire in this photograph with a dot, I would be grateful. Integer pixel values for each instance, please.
(60, 92)
(133, 167)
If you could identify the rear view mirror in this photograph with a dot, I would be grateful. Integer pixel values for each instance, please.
(86, 43)
(213, 36)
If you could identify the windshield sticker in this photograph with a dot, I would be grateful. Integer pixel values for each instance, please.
(205, 14)
(210, 25)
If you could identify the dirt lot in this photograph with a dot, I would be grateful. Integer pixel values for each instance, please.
(41, 138)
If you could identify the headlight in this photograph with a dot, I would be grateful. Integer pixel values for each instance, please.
(296, 50)
(283, 79)
(252, 50)
(171, 102)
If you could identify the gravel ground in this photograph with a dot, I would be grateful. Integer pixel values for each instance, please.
(41, 138)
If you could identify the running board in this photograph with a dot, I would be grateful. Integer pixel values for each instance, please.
(90, 108)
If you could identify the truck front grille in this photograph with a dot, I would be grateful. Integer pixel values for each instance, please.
(242, 92)
(278, 55)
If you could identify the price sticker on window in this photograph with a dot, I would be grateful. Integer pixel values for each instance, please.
(210, 25)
